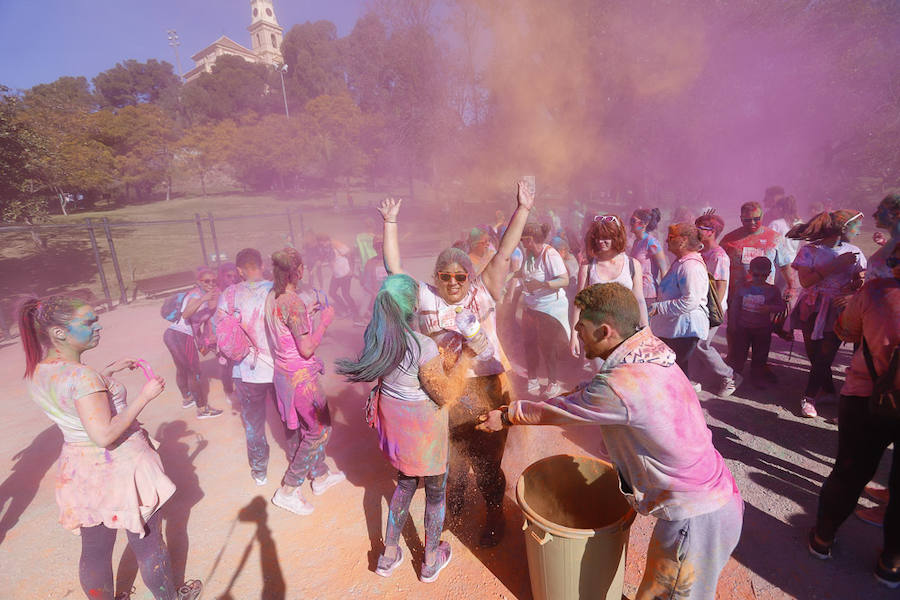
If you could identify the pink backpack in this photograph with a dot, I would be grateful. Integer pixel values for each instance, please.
(232, 340)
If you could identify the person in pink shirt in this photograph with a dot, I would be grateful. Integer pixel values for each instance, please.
(294, 339)
(872, 320)
(653, 431)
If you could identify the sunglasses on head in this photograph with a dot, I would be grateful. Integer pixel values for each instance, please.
(705, 228)
(607, 219)
(459, 277)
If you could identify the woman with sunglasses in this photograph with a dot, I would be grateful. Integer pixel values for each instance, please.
(648, 251)
(830, 271)
(680, 317)
(545, 318)
(183, 346)
(456, 287)
(607, 262)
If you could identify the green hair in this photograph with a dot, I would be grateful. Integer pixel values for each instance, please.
(386, 340)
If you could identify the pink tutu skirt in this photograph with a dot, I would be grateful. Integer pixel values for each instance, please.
(120, 488)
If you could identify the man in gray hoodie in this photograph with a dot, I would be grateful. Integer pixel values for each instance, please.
(655, 435)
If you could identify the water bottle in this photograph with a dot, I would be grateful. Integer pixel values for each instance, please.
(470, 328)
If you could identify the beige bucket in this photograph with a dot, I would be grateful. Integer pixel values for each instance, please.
(576, 528)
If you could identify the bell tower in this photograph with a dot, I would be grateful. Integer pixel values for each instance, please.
(266, 34)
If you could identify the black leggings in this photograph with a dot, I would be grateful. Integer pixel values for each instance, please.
(683, 348)
(435, 508)
(187, 365)
(545, 337)
(821, 355)
(95, 567)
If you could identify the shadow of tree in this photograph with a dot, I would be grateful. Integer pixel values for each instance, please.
(32, 463)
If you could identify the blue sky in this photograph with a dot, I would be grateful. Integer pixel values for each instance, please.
(42, 40)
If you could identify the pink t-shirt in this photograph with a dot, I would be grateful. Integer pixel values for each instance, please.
(283, 313)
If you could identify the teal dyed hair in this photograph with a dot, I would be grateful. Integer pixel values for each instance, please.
(388, 334)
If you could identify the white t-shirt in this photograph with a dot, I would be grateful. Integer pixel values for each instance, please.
(340, 264)
(815, 255)
(546, 267)
(181, 326)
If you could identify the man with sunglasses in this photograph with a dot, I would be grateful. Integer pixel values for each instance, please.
(747, 242)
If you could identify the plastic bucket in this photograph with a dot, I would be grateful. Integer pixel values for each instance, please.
(576, 528)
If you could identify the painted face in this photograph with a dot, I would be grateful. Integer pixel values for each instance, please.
(853, 228)
(752, 220)
(452, 283)
(637, 226)
(83, 331)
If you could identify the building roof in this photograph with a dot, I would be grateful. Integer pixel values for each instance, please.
(228, 44)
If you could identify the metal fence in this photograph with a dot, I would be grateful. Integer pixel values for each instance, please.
(104, 260)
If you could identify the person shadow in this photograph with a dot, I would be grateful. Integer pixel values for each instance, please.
(377, 478)
(273, 587)
(32, 463)
(174, 439)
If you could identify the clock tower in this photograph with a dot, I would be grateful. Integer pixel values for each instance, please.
(265, 33)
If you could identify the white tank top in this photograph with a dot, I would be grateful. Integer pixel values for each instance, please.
(624, 277)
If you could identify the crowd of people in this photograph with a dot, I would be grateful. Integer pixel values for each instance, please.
(572, 294)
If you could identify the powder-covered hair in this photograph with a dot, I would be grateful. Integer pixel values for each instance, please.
(823, 225)
(389, 333)
(689, 232)
(605, 230)
(712, 220)
(536, 231)
(285, 263)
(36, 317)
(649, 216)
(248, 257)
(454, 255)
(610, 303)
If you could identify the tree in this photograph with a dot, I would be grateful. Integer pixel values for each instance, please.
(312, 53)
(204, 147)
(131, 83)
(336, 125)
(19, 150)
(234, 87)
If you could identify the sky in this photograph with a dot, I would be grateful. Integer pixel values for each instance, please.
(42, 40)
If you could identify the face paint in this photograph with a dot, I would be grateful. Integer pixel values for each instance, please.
(84, 329)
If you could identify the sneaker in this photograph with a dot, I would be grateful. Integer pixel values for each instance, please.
(188, 403)
(430, 573)
(808, 408)
(697, 387)
(294, 502)
(321, 484)
(386, 567)
(553, 390)
(729, 386)
(260, 480)
(816, 548)
(534, 387)
(887, 577)
(872, 516)
(190, 590)
(878, 494)
(208, 412)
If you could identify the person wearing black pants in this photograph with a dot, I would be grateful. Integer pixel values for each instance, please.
(683, 347)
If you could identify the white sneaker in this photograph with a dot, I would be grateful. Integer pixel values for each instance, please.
(534, 387)
(320, 485)
(808, 408)
(553, 390)
(697, 387)
(294, 502)
(261, 481)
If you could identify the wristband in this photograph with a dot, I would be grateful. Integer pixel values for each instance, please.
(386, 221)
(504, 416)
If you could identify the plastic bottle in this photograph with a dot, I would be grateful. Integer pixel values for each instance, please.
(470, 328)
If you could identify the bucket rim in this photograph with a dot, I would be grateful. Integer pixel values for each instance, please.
(622, 523)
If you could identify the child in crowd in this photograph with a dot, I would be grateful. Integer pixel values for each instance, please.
(754, 305)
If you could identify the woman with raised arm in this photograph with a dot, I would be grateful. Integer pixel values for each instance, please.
(455, 287)
(110, 477)
(409, 415)
(607, 262)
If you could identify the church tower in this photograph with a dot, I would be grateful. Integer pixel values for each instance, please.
(265, 32)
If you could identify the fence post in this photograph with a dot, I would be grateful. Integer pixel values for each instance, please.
(90, 226)
(123, 299)
(200, 235)
(212, 232)
(291, 228)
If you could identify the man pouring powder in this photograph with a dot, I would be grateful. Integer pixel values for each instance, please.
(654, 433)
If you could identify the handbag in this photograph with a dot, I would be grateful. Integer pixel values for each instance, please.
(372, 406)
(885, 399)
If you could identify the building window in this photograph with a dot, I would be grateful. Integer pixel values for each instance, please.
(274, 42)
(258, 40)
(269, 12)
(255, 12)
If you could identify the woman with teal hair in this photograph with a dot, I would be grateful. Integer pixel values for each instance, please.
(409, 416)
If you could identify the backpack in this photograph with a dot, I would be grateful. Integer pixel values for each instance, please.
(232, 340)
(714, 303)
(885, 400)
(171, 307)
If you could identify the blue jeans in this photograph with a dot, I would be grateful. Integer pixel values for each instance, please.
(253, 415)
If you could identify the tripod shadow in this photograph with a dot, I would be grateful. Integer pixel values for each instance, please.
(20, 488)
(273, 587)
(178, 461)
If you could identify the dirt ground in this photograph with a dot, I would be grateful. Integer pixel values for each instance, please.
(223, 529)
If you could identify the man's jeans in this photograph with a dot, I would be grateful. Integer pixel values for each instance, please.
(253, 414)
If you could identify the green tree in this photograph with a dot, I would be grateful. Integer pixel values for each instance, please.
(205, 147)
(131, 82)
(312, 53)
(233, 87)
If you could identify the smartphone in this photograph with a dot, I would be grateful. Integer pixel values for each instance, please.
(529, 180)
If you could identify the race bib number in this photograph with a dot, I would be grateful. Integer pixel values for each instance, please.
(748, 253)
(447, 319)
